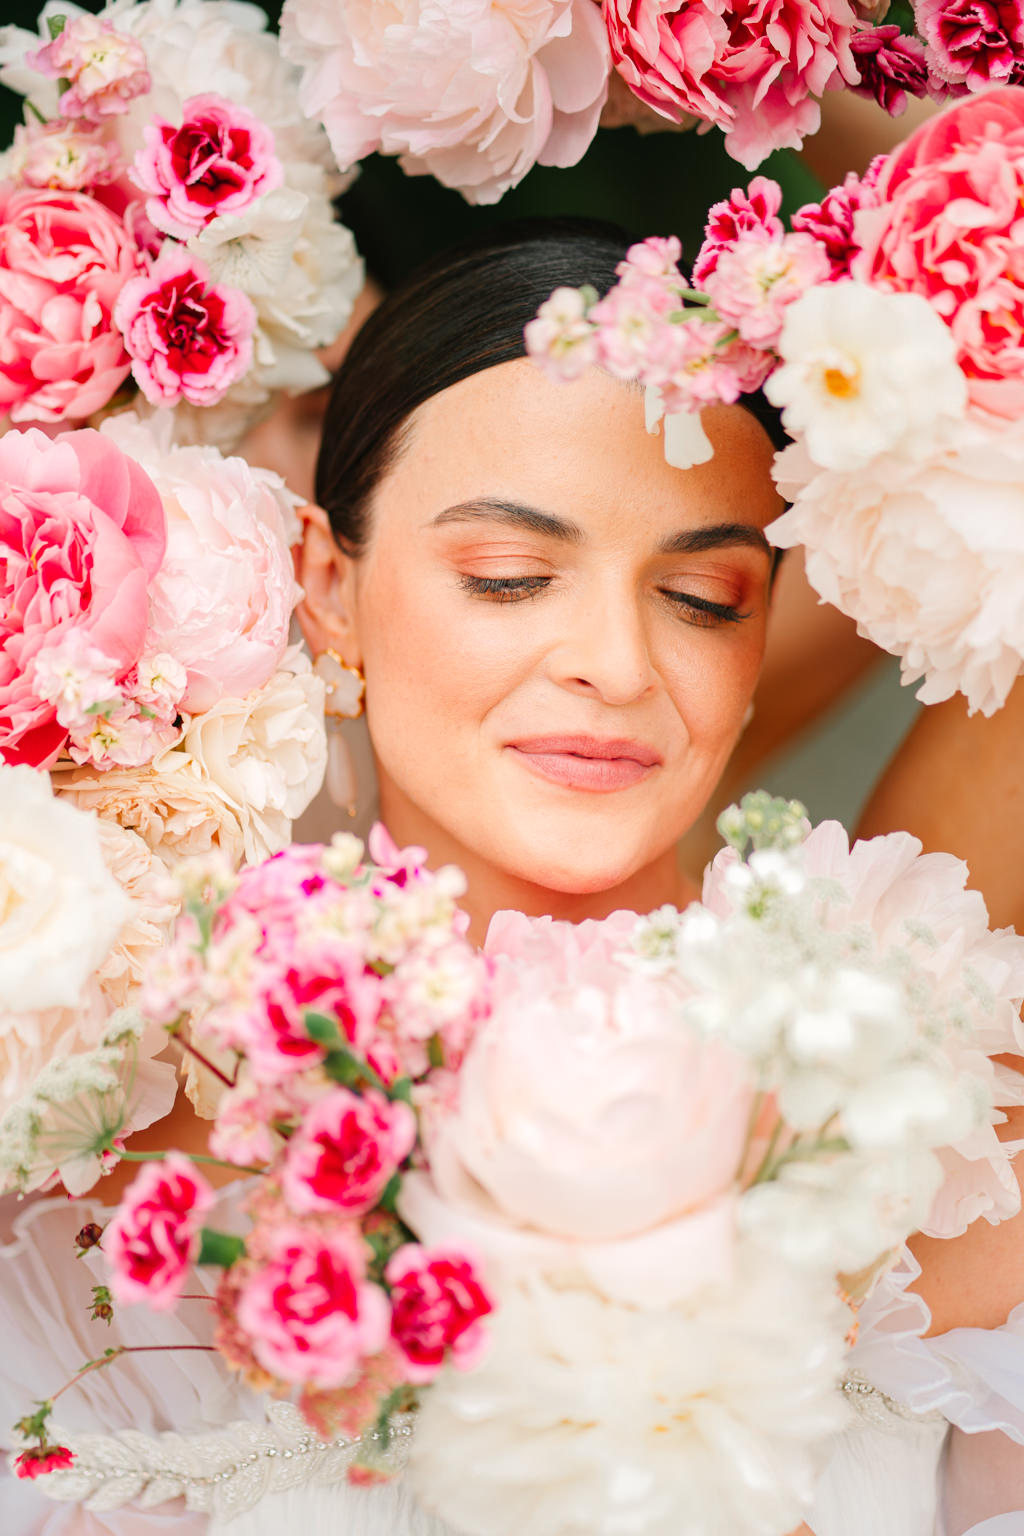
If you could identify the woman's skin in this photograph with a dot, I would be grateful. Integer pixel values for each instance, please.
(534, 570)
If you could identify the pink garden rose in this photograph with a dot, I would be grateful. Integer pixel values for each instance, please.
(310, 1314)
(752, 67)
(64, 258)
(438, 1303)
(475, 94)
(154, 1238)
(948, 227)
(188, 338)
(105, 69)
(347, 1151)
(973, 43)
(82, 532)
(218, 161)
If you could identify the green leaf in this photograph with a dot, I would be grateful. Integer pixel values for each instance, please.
(435, 1051)
(389, 1198)
(220, 1248)
(322, 1030)
(56, 25)
(401, 1088)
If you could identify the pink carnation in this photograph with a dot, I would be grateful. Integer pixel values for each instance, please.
(189, 339)
(38, 1460)
(64, 258)
(752, 214)
(273, 1033)
(667, 55)
(973, 43)
(438, 1304)
(754, 282)
(308, 1310)
(154, 1237)
(892, 67)
(105, 68)
(947, 227)
(831, 222)
(347, 1151)
(82, 532)
(218, 161)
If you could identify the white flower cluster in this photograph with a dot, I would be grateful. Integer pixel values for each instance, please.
(908, 500)
(286, 252)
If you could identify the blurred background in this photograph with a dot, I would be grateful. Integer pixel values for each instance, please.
(831, 710)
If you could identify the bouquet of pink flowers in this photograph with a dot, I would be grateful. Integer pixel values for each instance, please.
(146, 592)
(642, 1150)
(886, 323)
(166, 220)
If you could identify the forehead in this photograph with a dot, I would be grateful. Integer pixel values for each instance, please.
(580, 449)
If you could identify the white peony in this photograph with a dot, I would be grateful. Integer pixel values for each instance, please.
(865, 372)
(927, 555)
(590, 1418)
(60, 907)
(474, 92)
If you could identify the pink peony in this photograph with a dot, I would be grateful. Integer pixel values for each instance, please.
(64, 259)
(474, 94)
(948, 227)
(892, 67)
(82, 532)
(752, 214)
(755, 280)
(105, 68)
(63, 156)
(831, 222)
(438, 1304)
(309, 1312)
(188, 338)
(217, 162)
(347, 1151)
(154, 1238)
(972, 43)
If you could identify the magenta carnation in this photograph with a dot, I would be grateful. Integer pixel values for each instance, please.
(154, 1237)
(438, 1306)
(831, 221)
(188, 338)
(892, 67)
(745, 214)
(972, 43)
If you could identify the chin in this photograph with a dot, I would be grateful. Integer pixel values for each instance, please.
(585, 865)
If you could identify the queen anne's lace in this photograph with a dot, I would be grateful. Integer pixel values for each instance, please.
(223, 1473)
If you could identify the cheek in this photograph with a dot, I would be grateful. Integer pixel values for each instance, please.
(711, 684)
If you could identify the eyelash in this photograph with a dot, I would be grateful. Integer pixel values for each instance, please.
(515, 589)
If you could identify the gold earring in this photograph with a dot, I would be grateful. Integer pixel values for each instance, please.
(345, 687)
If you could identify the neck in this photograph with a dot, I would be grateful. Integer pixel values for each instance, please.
(492, 890)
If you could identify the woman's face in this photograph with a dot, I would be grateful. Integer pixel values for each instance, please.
(560, 633)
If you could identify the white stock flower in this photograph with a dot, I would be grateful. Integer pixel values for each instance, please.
(590, 1418)
(60, 907)
(865, 372)
(475, 92)
(926, 554)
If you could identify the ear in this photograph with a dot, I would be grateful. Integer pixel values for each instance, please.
(326, 574)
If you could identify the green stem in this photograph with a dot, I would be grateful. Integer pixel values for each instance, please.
(116, 1353)
(193, 1157)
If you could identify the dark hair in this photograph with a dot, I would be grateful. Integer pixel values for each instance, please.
(456, 315)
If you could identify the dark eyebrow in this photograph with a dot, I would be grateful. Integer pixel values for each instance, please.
(493, 509)
(694, 541)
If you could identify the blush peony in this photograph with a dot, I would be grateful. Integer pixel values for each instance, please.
(474, 94)
(947, 227)
(64, 259)
(82, 532)
(154, 1238)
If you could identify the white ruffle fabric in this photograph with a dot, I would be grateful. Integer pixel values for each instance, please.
(943, 1452)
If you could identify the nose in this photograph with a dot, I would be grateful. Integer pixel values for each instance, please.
(604, 650)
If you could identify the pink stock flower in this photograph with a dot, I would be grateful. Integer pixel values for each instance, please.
(831, 222)
(64, 258)
(560, 337)
(217, 162)
(437, 990)
(63, 156)
(154, 1237)
(707, 368)
(38, 1460)
(750, 214)
(438, 1303)
(105, 68)
(657, 256)
(947, 227)
(308, 1310)
(243, 1132)
(755, 280)
(347, 1151)
(973, 43)
(892, 67)
(188, 338)
(634, 336)
(82, 532)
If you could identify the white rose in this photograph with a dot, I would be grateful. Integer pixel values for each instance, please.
(153, 909)
(60, 907)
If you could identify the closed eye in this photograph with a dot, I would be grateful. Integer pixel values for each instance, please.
(697, 610)
(504, 589)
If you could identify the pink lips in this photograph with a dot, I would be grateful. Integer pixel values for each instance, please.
(587, 762)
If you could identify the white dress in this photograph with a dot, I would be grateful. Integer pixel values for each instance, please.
(169, 1444)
